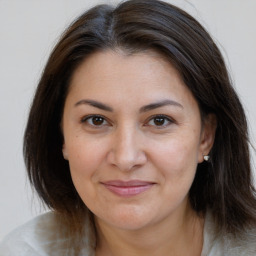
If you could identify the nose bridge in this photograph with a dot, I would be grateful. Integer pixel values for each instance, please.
(126, 149)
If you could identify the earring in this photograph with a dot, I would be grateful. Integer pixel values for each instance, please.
(206, 158)
(65, 155)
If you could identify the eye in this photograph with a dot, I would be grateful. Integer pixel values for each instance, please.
(160, 121)
(94, 120)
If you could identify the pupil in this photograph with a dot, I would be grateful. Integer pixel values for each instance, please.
(159, 121)
(97, 120)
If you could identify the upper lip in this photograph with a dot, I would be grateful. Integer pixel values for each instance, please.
(129, 183)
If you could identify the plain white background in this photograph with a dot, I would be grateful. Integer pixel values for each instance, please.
(28, 31)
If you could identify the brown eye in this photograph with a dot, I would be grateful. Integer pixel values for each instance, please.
(95, 121)
(160, 121)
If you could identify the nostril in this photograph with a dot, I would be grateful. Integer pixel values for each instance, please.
(125, 160)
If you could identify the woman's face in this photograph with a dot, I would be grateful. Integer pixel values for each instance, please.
(133, 138)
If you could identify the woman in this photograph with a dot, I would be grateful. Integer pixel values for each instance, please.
(137, 142)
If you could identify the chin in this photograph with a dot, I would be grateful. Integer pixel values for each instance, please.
(131, 224)
(127, 219)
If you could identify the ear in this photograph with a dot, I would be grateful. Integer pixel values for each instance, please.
(207, 136)
(64, 151)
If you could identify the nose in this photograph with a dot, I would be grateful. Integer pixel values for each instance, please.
(126, 151)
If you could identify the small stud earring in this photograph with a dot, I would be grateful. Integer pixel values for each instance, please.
(65, 155)
(206, 158)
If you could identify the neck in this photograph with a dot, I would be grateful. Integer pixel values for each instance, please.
(180, 234)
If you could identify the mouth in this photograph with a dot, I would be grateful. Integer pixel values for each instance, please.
(127, 188)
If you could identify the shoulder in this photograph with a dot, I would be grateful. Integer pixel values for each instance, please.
(30, 238)
(242, 245)
(229, 245)
(43, 235)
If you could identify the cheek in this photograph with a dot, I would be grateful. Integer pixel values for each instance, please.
(177, 159)
(85, 160)
(85, 157)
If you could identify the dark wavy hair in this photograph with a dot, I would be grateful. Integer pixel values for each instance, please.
(223, 185)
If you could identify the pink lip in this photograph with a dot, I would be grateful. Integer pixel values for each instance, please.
(127, 188)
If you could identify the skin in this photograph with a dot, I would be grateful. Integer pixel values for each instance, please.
(132, 138)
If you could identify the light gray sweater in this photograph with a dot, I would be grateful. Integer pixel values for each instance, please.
(43, 236)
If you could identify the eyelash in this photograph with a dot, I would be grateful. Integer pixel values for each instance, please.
(106, 122)
(87, 118)
(163, 117)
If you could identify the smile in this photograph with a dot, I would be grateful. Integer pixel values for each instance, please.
(127, 188)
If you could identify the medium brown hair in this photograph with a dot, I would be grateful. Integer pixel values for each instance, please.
(223, 185)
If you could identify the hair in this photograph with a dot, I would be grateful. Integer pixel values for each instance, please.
(223, 185)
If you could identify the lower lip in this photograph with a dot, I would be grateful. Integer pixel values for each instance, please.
(128, 191)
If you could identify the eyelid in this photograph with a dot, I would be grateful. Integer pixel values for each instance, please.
(84, 119)
(168, 118)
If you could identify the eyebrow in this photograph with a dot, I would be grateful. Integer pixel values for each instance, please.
(160, 104)
(95, 104)
(145, 108)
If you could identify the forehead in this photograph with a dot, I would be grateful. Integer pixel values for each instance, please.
(110, 64)
(113, 75)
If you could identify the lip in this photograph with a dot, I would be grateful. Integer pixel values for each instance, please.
(128, 188)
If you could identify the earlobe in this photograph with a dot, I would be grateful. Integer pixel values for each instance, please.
(207, 137)
(64, 152)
